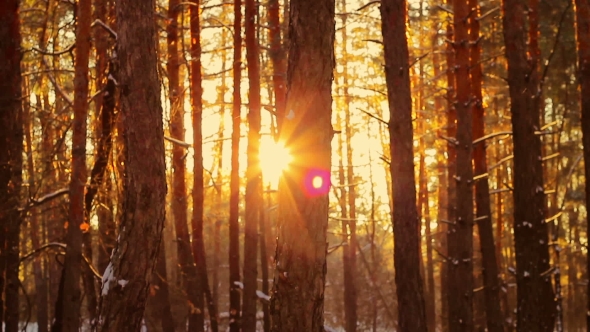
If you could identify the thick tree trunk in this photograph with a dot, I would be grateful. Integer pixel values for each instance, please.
(583, 44)
(535, 302)
(73, 259)
(410, 294)
(494, 318)
(297, 302)
(11, 161)
(253, 176)
(234, 194)
(126, 279)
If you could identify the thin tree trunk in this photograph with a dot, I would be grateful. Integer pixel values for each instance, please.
(494, 318)
(297, 302)
(410, 293)
(253, 177)
(126, 279)
(263, 225)
(535, 300)
(73, 259)
(234, 195)
(198, 244)
(583, 45)
(350, 291)
(160, 294)
(277, 56)
(425, 212)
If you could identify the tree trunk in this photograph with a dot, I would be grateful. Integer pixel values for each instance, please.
(11, 161)
(535, 302)
(73, 259)
(253, 177)
(159, 300)
(198, 244)
(494, 318)
(410, 295)
(277, 57)
(430, 299)
(234, 195)
(297, 302)
(460, 235)
(583, 44)
(126, 279)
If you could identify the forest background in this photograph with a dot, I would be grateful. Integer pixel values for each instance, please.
(360, 284)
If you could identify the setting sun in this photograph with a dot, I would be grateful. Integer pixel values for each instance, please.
(274, 159)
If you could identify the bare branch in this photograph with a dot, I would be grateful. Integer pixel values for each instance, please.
(106, 27)
(177, 142)
(66, 50)
(492, 135)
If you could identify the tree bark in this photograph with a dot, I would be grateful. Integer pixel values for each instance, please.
(297, 302)
(535, 300)
(126, 279)
(11, 161)
(253, 176)
(277, 57)
(234, 195)
(73, 259)
(406, 226)
(494, 318)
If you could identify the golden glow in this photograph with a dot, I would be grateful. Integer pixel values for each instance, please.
(274, 159)
(317, 182)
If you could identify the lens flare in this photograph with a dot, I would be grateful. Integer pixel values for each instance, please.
(274, 159)
(316, 182)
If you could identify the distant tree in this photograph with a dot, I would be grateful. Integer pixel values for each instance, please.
(583, 44)
(297, 302)
(71, 297)
(535, 300)
(126, 279)
(406, 224)
(11, 162)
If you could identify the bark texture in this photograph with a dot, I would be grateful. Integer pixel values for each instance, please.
(297, 302)
(126, 279)
(535, 300)
(406, 224)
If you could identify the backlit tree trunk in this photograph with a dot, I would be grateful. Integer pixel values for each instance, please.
(535, 301)
(253, 177)
(11, 161)
(126, 279)
(234, 194)
(406, 226)
(297, 302)
(73, 260)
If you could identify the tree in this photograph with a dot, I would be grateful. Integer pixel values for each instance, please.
(71, 297)
(406, 224)
(535, 301)
(297, 301)
(253, 176)
(234, 191)
(11, 161)
(583, 44)
(126, 279)
(482, 191)
(460, 235)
